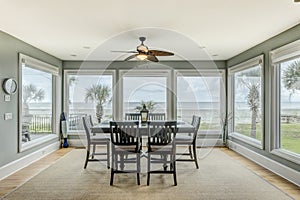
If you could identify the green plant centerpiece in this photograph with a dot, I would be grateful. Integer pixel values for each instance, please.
(150, 105)
(99, 94)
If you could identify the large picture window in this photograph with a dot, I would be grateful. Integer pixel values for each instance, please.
(201, 94)
(37, 101)
(246, 101)
(144, 88)
(286, 101)
(290, 105)
(88, 93)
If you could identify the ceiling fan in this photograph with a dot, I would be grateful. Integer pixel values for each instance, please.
(143, 53)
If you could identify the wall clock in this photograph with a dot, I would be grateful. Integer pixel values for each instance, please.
(10, 86)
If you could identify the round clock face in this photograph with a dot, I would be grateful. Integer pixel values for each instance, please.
(10, 86)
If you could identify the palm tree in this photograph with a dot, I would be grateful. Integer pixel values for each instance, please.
(72, 82)
(291, 76)
(150, 105)
(31, 93)
(253, 103)
(99, 94)
(253, 96)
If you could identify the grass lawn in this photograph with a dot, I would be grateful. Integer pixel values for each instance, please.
(290, 138)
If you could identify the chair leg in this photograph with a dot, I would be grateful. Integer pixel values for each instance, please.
(148, 178)
(122, 165)
(94, 150)
(174, 173)
(195, 155)
(138, 168)
(138, 178)
(165, 166)
(86, 159)
(112, 176)
(148, 169)
(108, 154)
(190, 150)
(112, 168)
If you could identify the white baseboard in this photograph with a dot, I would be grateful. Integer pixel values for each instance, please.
(277, 168)
(16, 165)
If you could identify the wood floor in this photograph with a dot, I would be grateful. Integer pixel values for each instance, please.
(17, 179)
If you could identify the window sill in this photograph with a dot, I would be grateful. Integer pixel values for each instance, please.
(251, 141)
(288, 155)
(38, 141)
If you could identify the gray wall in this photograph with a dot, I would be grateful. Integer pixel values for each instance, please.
(9, 49)
(264, 48)
(137, 64)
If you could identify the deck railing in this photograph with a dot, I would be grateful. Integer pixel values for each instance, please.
(41, 124)
(75, 121)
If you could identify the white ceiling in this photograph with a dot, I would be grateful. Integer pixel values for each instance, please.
(90, 29)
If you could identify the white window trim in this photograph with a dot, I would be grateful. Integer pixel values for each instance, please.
(145, 73)
(39, 65)
(54, 71)
(277, 56)
(285, 52)
(38, 141)
(258, 60)
(88, 72)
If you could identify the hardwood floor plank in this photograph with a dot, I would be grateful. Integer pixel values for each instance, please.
(15, 180)
(279, 182)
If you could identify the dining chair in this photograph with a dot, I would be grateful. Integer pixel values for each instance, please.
(133, 116)
(161, 149)
(157, 116)
(189, 140)
(91, 120)
(95, 140)
(126, 148)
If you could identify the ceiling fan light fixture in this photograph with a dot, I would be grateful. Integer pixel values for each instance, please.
(143, 53)
(142, 48)
(142, 56)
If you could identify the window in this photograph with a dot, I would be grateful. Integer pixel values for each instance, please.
(286, 101)
(148, 88)
(246, 101)
(37, 102)
(88, 93)
(201, 93)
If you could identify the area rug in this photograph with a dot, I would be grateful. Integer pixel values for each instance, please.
(219, 177)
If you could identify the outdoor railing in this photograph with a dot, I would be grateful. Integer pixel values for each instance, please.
(41, 124)
(75, 121)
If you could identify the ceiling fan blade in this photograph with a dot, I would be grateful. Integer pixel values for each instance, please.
(130, 57)
(161, 53)
(152, 58)
(124, 51)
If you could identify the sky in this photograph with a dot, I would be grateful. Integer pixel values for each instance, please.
(136, 89)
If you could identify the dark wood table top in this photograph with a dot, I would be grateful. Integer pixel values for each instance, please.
(183, 127)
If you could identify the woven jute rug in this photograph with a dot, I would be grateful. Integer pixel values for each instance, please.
(219, 177)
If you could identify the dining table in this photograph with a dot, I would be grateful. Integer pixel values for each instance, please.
(104, 127)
